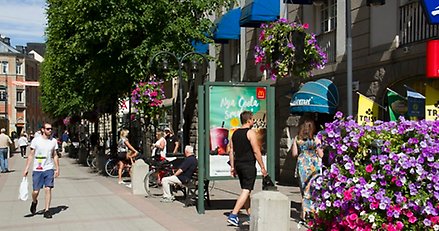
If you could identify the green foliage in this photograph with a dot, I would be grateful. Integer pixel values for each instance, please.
(97, 49)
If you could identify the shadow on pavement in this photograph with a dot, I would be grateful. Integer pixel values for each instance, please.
(221, 204)
(58, 209)
(53, 210)
(75, 178)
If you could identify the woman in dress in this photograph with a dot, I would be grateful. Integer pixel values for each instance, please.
(309, 162)
(123, 146)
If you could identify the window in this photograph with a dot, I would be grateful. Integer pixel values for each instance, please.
(4, 67)
(2, 93)
(18, 67)
(328, 15)
(19, 96)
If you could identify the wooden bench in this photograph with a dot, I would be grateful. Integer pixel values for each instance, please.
(190, 190)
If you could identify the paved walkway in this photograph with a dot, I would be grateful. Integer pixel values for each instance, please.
(83, 200)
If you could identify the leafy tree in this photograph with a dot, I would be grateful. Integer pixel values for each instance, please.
(97, 49)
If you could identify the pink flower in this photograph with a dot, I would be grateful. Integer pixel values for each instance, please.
(306, 26)
(399, 225)
(434, 219)
(369, 168)
(262, 35)
(347, 195)
(353, 217)
(412, 219)
(258, 59)
(390, 227)
(374, 205)
(409, 214)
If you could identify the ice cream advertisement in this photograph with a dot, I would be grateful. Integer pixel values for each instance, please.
(226, 104)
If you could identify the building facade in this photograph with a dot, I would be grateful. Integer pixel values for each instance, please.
(20, 108)
(388, 51)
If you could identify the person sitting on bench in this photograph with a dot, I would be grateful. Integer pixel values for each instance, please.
(181, 176)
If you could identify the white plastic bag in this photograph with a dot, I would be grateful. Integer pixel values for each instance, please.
(23, 192)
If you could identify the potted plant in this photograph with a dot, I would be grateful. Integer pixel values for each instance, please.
(381, 177)
(286, 49)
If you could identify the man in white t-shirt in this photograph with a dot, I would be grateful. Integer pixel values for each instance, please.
(45, 167)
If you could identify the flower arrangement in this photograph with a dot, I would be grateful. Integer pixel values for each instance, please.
(147, 97)
(382, 177)
(279, 48)
(66, 121)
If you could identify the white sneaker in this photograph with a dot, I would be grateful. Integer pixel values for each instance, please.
(121, 182)
(129, 185)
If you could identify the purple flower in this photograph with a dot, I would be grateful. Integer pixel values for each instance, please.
(427, 222)
(413, 190)
(336, 204)
(348, 166)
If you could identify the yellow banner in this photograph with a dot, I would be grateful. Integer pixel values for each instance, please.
(367, 110)
(431, 103)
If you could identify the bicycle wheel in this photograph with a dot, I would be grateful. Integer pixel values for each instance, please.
(89, 160)
(152, 187)
(111, 168)
(94, 163)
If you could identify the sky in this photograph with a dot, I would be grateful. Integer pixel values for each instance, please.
(23, 21)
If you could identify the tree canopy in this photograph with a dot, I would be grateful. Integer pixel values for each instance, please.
(97, 49)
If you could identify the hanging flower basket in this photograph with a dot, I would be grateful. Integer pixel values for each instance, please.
(285, 48)
(66, 121)
(147, 97)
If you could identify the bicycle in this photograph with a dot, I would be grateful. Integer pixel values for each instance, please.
(92, 159)
(112, 167)
(158, 169)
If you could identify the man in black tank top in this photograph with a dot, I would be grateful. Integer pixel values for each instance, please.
(244, 153)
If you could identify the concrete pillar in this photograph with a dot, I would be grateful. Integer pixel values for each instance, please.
(82, 154)
(270, 211)
(139, 171)
(101, 160)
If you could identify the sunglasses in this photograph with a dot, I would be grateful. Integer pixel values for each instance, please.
(48, 129)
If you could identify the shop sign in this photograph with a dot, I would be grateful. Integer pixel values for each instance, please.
(431, 9)
(432, 65)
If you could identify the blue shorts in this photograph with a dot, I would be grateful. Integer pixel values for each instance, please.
(42, 178)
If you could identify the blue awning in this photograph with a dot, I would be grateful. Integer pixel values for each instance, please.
(256, 12)
(316, 96)
(200, 47)
(227, 27)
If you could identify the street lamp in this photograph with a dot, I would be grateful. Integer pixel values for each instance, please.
(180, 82)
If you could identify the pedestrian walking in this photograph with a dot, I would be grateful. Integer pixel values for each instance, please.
(5, 143)
(123, 146)
(244, 153)
(309, 162)
(22, 143)
(181, 176)
(64, 141)
(45, 167)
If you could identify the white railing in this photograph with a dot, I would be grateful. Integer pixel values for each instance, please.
(413, 24)
(328, 44)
